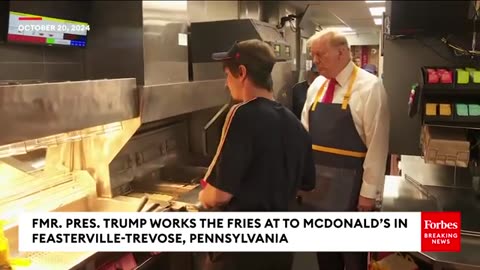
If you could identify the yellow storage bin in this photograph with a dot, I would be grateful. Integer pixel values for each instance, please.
(445, 110)
(431, 109)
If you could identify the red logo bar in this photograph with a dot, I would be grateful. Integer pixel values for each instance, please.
(30, 18)
(30, 39)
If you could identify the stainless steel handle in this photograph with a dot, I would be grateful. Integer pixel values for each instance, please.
(209, 125)
(143, 201)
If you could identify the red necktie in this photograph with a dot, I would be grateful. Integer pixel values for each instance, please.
(330, 89)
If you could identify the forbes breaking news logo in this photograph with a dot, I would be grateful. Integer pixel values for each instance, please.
(441, 231)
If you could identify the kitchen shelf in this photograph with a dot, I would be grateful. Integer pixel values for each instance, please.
(453, 124)
(460, 92)
(437, 86)
(468, 87)
(453, 88)
(454, 120)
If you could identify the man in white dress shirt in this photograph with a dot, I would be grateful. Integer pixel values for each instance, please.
(347, 115)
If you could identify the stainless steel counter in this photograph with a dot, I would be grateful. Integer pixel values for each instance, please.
(401, 193)
(171, 187)
(190, 197)
(450, 187)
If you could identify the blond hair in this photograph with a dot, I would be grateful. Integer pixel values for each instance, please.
(335, 38)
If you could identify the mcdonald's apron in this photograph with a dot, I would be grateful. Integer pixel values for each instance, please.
(338, 152)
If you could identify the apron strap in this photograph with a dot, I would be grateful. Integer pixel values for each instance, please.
(319, 94)
(346, 97)
(338, 151)
(226, 126)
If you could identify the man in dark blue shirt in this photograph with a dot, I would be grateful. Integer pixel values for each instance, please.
(264, 156)
(299, 92)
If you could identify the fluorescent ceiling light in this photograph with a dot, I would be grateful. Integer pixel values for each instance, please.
(340, 29)
(378, 21)
(374, 1)
(377, 11)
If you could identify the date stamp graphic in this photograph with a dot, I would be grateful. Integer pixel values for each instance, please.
(61, 28)
(28, 28)
(32, 23)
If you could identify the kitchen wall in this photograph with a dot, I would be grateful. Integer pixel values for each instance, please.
(120, 46)
(361, 39)
(250, 10)
(115, 42)
(165, 42)
(307, 28)
(290, 31)
(271, 12)
(402, 61)
(205, 11)
(381, 43)
(371, 53)
(267, 11)
(19, 62)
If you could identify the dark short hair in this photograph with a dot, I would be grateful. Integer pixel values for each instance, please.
(257, 57)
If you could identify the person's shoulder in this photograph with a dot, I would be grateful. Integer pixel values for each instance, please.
(288, 114)
(300, 85)
(241, 111)
(319, 80)
(244, 112)
(368, 78)
(316, 84)
(369, 82)
(292, 121)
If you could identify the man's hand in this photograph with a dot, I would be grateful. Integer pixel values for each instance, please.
(204, 200)
(200, 198)
(365, 204)
(211, 197)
